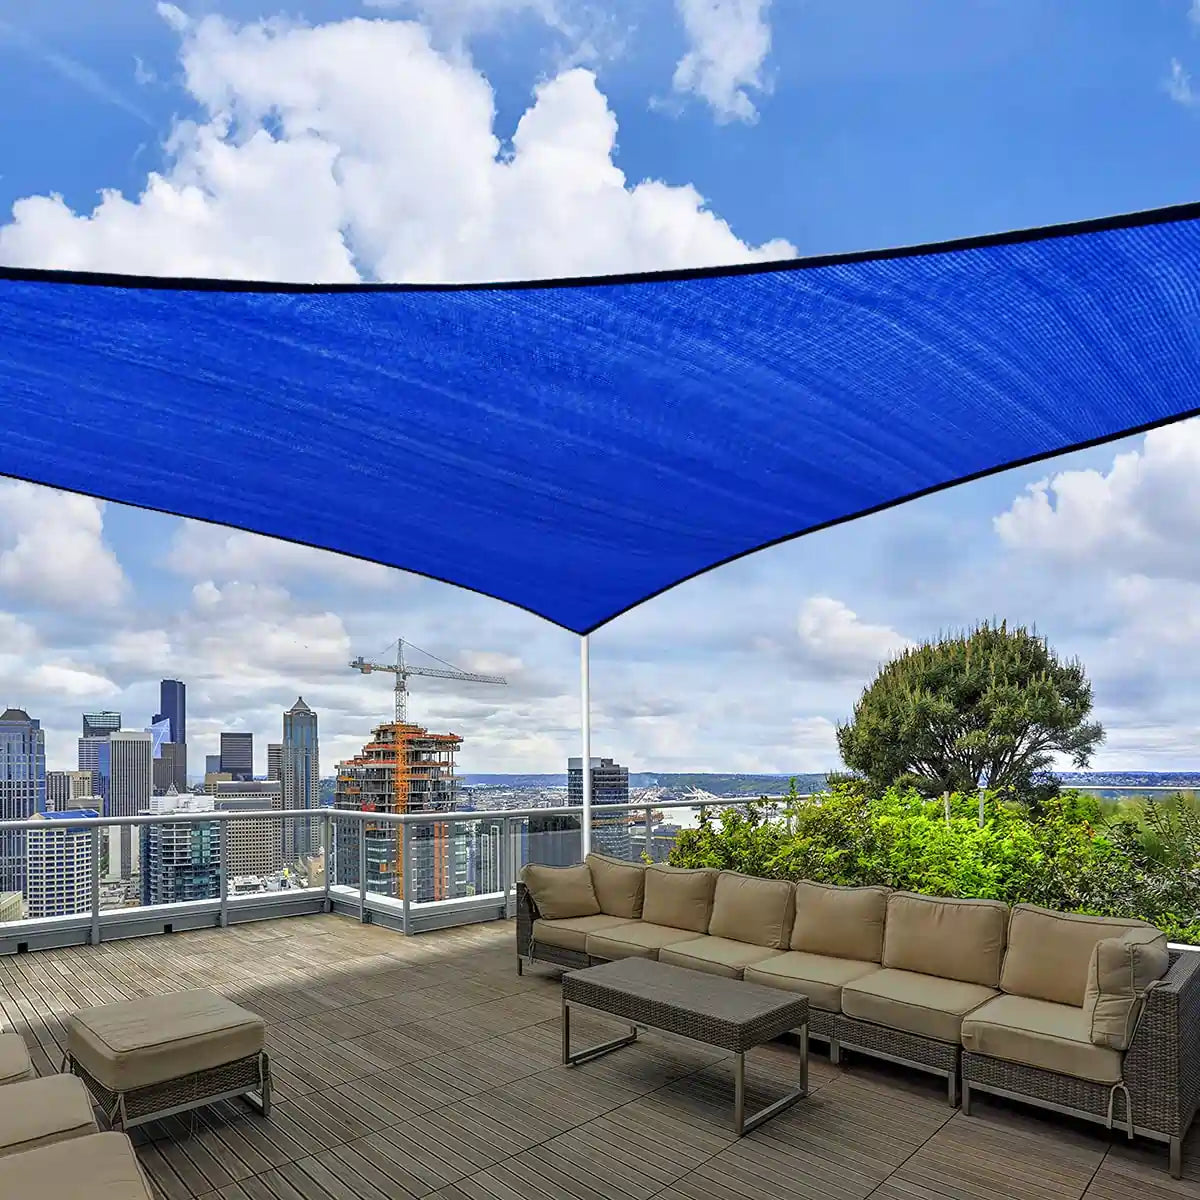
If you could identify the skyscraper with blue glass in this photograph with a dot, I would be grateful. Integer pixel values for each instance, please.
(22, 789)
(301, 773)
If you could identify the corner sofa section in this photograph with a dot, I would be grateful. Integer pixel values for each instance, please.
(1089, 1016)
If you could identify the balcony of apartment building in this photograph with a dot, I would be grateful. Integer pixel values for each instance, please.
(410, 1058)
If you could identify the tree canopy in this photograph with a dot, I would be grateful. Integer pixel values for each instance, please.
(988, 707)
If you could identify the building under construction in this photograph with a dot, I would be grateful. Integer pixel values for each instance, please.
(403, 769)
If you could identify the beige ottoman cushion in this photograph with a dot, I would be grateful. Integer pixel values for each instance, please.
(141, 1042)
(101, 1166)
(15, 1063)
(39, 1111)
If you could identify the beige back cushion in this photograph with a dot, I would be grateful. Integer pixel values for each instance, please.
(681, 897)
(1048, 952)
(620, 885)
(561, 892)
(843, 922)
(752, 910)
(950, 938)
(1119, 972)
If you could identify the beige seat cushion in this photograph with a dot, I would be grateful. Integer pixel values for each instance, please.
(635, 939)
(15, 1063)
(39, 1111)
(926, 1005)
(561, 892)
(951, 938)
(749, 909)
(571, 933)
(1048, 952)
(1119, 972)
(101, 1166)
(716, 955)
(620, 886)
(681, 897)
(1038, 1033)
(156, 1038)
(842, 922)
(820, 977)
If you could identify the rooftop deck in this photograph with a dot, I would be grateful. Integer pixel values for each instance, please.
(424, 1066)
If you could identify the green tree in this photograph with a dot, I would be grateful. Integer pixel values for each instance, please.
(991, 706)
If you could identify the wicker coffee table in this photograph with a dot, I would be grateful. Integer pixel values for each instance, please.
(726, 1013)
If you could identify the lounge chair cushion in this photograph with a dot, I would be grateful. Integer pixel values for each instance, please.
(842, 922)
(40, 1111)
(749, 909)
(635, 939)
(1048, 952)
(951, 938)
(1119, 972)
(820, 977)
(926, 1005)
(15, 1063)
(136, 1043)
(1038, 1033)
(716, 955)
(101, 1166)
(571, 933)
(561, 892)
(620, 886)
(680, 897)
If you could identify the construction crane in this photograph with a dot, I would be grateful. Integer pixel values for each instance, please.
(403, 670)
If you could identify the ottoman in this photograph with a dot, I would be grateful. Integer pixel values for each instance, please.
(15, 1063)
(148, 1058)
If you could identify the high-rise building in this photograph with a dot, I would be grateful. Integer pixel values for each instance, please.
(172, 703)
(170, 768)
(404, 768)
(126, 785)
(237, 755)
(22, 789)
(610, 785)
(300, 773)
(212, 764)
(63, 788)
(89, 758)
(100, 724)
(59, 864)
(180, 861)
(275, 761)
(253, 845)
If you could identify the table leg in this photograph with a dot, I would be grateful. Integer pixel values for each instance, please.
(591, 1052)
(743, 1124)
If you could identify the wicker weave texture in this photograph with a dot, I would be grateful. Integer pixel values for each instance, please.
(244, 1074)
(720, 1012)
(894, 1043)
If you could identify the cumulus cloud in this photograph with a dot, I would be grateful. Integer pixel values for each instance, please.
(206, 552)
(357, 148)
(1179, 85)
(833, 636)
(53, 552)
(1140, 516)
(728, 43)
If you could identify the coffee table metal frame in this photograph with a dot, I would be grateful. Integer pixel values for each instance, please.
(680, 1016)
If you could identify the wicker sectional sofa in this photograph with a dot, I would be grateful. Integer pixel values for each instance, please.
(1089, 1016)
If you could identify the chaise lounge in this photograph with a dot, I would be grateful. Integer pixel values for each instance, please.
(1089, 1016)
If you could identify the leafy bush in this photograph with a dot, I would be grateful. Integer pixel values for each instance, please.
(1142, 862)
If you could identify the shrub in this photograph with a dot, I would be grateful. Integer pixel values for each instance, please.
(1065, 854)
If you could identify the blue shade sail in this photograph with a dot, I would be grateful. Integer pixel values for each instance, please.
(576, 447)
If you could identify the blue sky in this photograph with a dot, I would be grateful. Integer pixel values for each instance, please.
(300, 142)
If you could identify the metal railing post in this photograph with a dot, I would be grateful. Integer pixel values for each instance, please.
(223, 918)
(649, 848)
(327, 855)
(508, 867)
(405, 875)
(95, 851)
(362, 872)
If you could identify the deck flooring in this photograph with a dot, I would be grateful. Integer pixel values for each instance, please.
(425, 1067)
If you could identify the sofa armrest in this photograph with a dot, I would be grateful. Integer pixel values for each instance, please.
(527, 913)
(1162, 1064)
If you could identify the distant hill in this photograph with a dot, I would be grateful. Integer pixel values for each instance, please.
(717, 784)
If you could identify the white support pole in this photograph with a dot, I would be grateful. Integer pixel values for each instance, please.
(585, 723)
